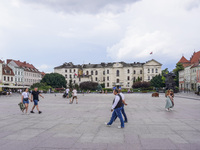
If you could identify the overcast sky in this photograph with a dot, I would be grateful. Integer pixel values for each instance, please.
(48, 33)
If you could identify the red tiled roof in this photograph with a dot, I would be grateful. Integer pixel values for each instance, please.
(184, 60)
(42, 73)
(7, 70)
(25, 65)
(195, 57)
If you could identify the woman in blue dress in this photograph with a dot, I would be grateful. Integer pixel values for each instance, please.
(168, 101)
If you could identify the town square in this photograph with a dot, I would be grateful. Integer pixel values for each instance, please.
(99, 75)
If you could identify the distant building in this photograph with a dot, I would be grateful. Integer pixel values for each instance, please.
(189, 78)
(118, 74)
(25, 74)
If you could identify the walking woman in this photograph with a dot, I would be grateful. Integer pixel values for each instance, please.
(168, 101)
(25, 99)
(70, 96)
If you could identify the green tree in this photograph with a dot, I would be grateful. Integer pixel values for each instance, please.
(70, 84)
(55, 80)
(99, 87)
(165, 71)
(178, 68)
(157, 81)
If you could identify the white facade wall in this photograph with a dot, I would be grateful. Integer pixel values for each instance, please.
(31, 77)
(1, 73)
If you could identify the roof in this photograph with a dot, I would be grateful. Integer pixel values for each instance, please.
(7, 70)
(195, 57)
(26, 66)
(183, 60)
(101, 65)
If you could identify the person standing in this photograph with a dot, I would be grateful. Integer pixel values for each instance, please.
(172, 98)
(116, 109)
(35, 98)
(74, 95)
(25, 99)
(168, 101)
(67, 92)
(70, 96)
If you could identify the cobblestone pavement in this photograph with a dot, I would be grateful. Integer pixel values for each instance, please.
(64, 126)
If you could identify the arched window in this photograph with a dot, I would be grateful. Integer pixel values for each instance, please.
(128, 71)
(117, 73)
(140, 71)
(156, 70)
(96, 72)
(87, 73)
(96, 78)
(92, 72)
(134, 72)
(117, 80)
(128, 78)
(148, 70)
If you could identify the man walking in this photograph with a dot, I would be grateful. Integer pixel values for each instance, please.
(67, 92)
(116, 109)
(74, 93)
(35, 98)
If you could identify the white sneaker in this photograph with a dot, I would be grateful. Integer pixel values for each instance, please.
(107, 124)
(119, 127)
(171, 109)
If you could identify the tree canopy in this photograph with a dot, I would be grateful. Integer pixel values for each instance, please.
(88, 85)
(55, 80)
(178, 68)
(157, 81)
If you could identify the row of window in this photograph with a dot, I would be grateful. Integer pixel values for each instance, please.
(8, 78)
(70, 70)
(152, 70)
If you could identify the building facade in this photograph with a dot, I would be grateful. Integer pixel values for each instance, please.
(189, 78)
(25, 74)
(118, 74)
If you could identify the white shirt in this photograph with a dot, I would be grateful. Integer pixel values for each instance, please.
(122, 95)
(74, 92)
(67, 90)
(25, 94)
(117, 98)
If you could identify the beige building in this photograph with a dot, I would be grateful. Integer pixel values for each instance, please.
(119, 74)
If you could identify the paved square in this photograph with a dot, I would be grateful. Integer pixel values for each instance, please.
(67, 126)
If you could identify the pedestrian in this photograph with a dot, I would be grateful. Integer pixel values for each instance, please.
(168, 101)
(116, 109)
(74, 93)
(25, 99)
(124, 103)
(35, 98)
(172, 98)
(67, 92)
(70, 96)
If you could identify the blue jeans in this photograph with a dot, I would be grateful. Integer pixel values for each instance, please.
(124, 114)
(35, 102)
(117, 113)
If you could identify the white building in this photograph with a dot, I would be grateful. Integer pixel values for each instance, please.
(111, 74)
(25, 74)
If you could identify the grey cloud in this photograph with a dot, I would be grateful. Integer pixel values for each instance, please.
(83, 6)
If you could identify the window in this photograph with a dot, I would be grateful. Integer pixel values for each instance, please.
(96, 72)
(107, 78)
(156, 70)
(103, 72)
(128, 71)
(117, 80)
(107, 71)
(140, 71)
(87, 72)
(128, 78)
(117, 73)
(74, 81)
(79, 79)
(134, 72)
(70, 71)
(65, 70)
(148, 70)
(74, 76)
(74, 70)
(8, 79)
(91, 72)
(96, 78)
(107, 84)
(66, 76)
(141, 78)
(70, 76)
(148, 77)
(152, 70)
(133, 79)
(4, 78)
(103, 78)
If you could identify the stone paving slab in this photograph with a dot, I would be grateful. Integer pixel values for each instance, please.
(64, 126)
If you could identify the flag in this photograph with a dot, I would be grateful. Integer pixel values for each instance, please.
(151, 53)
(76, 74)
